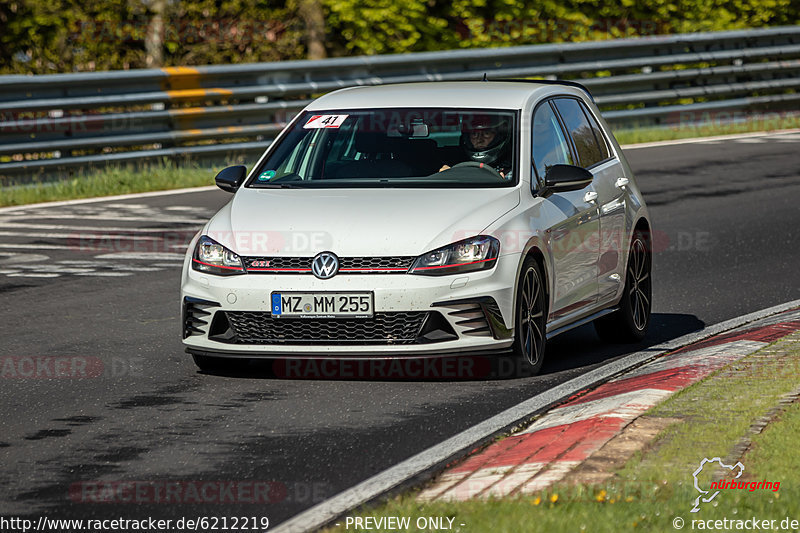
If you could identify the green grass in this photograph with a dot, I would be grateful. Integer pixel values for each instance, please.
(126, 179)
(708, 129)
(112, 181)
(771, 452)
(655, 487)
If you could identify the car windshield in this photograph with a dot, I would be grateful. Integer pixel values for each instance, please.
(424, 147)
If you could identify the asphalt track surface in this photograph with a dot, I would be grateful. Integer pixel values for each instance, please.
(727, 244)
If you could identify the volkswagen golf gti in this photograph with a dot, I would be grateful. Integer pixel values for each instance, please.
(422, 220)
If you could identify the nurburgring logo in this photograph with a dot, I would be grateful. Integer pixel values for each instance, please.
(732, 484)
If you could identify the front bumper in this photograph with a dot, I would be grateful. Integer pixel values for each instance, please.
(414, 315)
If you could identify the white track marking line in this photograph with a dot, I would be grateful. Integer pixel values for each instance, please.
(365, 491)
(73, 216)
(26, 246)
(23, 225)
(83, 262)
(126, 268)
(127, 206)
(58, 269)
(12, 258)
(141, 255)
(106, 274)
(108, 198)
(77, 236)
(694, 140)
(32, 275)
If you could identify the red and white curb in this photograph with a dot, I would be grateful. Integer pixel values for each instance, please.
(423, 465)
(563, 438)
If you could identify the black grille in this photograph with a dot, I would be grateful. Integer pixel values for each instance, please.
(278, 263)
(382, 328)
(302, 265)
(195, 312)
(368, 263)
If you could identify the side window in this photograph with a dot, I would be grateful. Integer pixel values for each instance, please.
(550, 147)
(578, 126)
(598, 133)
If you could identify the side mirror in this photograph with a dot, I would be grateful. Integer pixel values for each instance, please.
(564, 178)
(231, 178)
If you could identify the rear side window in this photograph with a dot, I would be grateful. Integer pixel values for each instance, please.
(598, 133)
(550, 147)
(583, 136)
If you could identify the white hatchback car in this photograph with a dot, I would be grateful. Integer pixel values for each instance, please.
(424, 219)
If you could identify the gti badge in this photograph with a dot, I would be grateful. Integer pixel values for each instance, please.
(325, 265)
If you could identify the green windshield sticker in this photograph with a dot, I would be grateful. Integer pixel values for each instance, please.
(266, 175)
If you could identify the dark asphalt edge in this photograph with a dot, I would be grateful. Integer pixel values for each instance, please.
(425, 465)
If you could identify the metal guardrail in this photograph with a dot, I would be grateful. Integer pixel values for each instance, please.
(54, 124)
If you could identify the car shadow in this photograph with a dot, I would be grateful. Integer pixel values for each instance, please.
(570, 351)
(582, 347)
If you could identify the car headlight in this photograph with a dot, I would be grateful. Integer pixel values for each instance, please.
(213, 258)
(469, 255)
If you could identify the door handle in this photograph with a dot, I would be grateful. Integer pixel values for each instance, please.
(590, 196)
(621, 182)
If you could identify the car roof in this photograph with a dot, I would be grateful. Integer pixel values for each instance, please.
(478, 94)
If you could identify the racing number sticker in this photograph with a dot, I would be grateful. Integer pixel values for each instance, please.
(325, 121)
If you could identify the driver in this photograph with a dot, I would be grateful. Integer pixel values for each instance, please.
(485, 139)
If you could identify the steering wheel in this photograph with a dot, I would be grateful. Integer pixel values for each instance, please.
(482, 166)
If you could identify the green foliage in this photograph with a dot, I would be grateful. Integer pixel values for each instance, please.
(42, 36)
(232, 31)
(62, 35)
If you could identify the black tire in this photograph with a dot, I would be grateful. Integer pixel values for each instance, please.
(530, 318)
(629, 323)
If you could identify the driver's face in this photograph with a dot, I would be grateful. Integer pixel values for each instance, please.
(481, 139)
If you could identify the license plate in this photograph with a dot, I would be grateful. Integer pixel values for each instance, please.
(322, 304)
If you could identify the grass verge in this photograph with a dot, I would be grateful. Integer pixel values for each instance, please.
(654, 490)
(691, 131)
(112, 181)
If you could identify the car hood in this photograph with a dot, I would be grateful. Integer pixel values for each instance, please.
(355, 222)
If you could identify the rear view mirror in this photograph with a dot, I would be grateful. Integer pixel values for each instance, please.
(231, 178)
(564, 178)
(419, 130)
